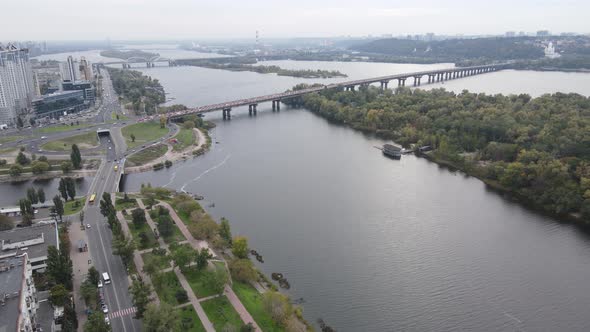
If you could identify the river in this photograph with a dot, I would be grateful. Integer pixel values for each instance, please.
(373, 244)
(370, 243)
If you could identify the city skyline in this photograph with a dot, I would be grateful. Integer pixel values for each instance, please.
(182, 19)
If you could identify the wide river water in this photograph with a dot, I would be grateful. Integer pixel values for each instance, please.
(374, 244)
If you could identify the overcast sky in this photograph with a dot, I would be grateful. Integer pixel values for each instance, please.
(195, 19)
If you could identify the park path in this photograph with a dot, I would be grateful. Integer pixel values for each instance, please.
(228, 291)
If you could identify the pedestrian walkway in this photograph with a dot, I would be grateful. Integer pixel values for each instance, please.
(122, 312)
(80, 263)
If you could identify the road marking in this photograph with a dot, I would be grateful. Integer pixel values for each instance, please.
(123, 312)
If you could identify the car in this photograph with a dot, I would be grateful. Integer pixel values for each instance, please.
(105, 309)
(87, 225)
(100, 285)
(43, 137)
(109, 147)
(107, 320)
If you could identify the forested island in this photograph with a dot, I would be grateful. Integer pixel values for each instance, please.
(537, 149)
(140, 92)
(124, 55)
(247, 64)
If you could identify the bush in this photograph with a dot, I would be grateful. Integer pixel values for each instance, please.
(3, 162)
(15, 170)
(242, 270)
(167, 163)
(40, 167)
(158, 166)
(43, 159)
(181, 296)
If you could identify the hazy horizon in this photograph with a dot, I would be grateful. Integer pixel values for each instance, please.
(68, 20)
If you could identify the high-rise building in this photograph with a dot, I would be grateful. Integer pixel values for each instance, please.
(69, 70)
(85, 70)
(16, 83)
(18, 296)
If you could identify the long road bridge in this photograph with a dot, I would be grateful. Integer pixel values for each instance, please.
(437, 75)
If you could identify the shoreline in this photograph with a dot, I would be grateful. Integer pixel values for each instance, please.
(47, 176)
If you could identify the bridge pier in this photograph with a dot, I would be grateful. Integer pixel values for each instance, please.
(226, 113)
(401, 81)
(384, 85)
(252, 109)
(276, 105)
(417, 80)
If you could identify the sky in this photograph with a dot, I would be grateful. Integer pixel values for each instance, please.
(204, 19)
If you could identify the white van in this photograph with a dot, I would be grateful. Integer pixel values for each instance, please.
(106, 278)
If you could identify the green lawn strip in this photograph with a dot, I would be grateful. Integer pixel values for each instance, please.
(135, 231)
(189, 320)
(220, 312)
(8, 150)
(144, 132)
(185, 138)
(7, 139)
(84, 141)
(166, 285)
(60, 128)
(71, 208)
(252, 300)
(120, 204)
(163, 262)
(146, 155)
(176, 236)
(198, 281)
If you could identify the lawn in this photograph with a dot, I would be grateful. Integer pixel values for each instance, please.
(189, 321)
(146, 155)
(221, 312)
(163, 262)
(84, 141)
(7, 139)
(151, 238)
(166, 285)
(60, 128)
(71, 208)
(121, 204)
(252, 300)
(144, 132)
(176, 236)
(121, 116)
(198, 281)
(185, 138)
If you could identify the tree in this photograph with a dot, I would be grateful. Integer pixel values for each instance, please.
(40, 167)
(162, 318)
(71, 187)
(76, 157)
(163, 121)
(202, 257)
(58, 205)
(216, 280)
(32, 195)
(19, 122)
(106, 205)
(140, 293)
(277, 305)
(188, 125)
(5, 223)
(22, 159)
(93, 276)
(59, 267)
(96, 323)
(165, 226)
(138, 217)
(132, 137)
(66, 166)
(41, 195)
(240, 247)
(247, 328)
(63, 188)
(26, 211)
(81, 217)
(58, 295)
(151, 268)
(124, 248)
(15, 170)
(69, 321)
(43, 159)
(182, 256)
(89, 293)
(242, 270)
(224, 231)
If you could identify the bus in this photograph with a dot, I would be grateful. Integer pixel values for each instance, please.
(105, 278)
(92, 198)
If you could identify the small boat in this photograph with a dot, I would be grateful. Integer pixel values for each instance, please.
(392, 151)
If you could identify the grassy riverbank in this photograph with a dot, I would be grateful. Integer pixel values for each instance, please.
(84, 141)
(143, 132)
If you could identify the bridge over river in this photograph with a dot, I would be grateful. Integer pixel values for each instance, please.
(433, 76)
